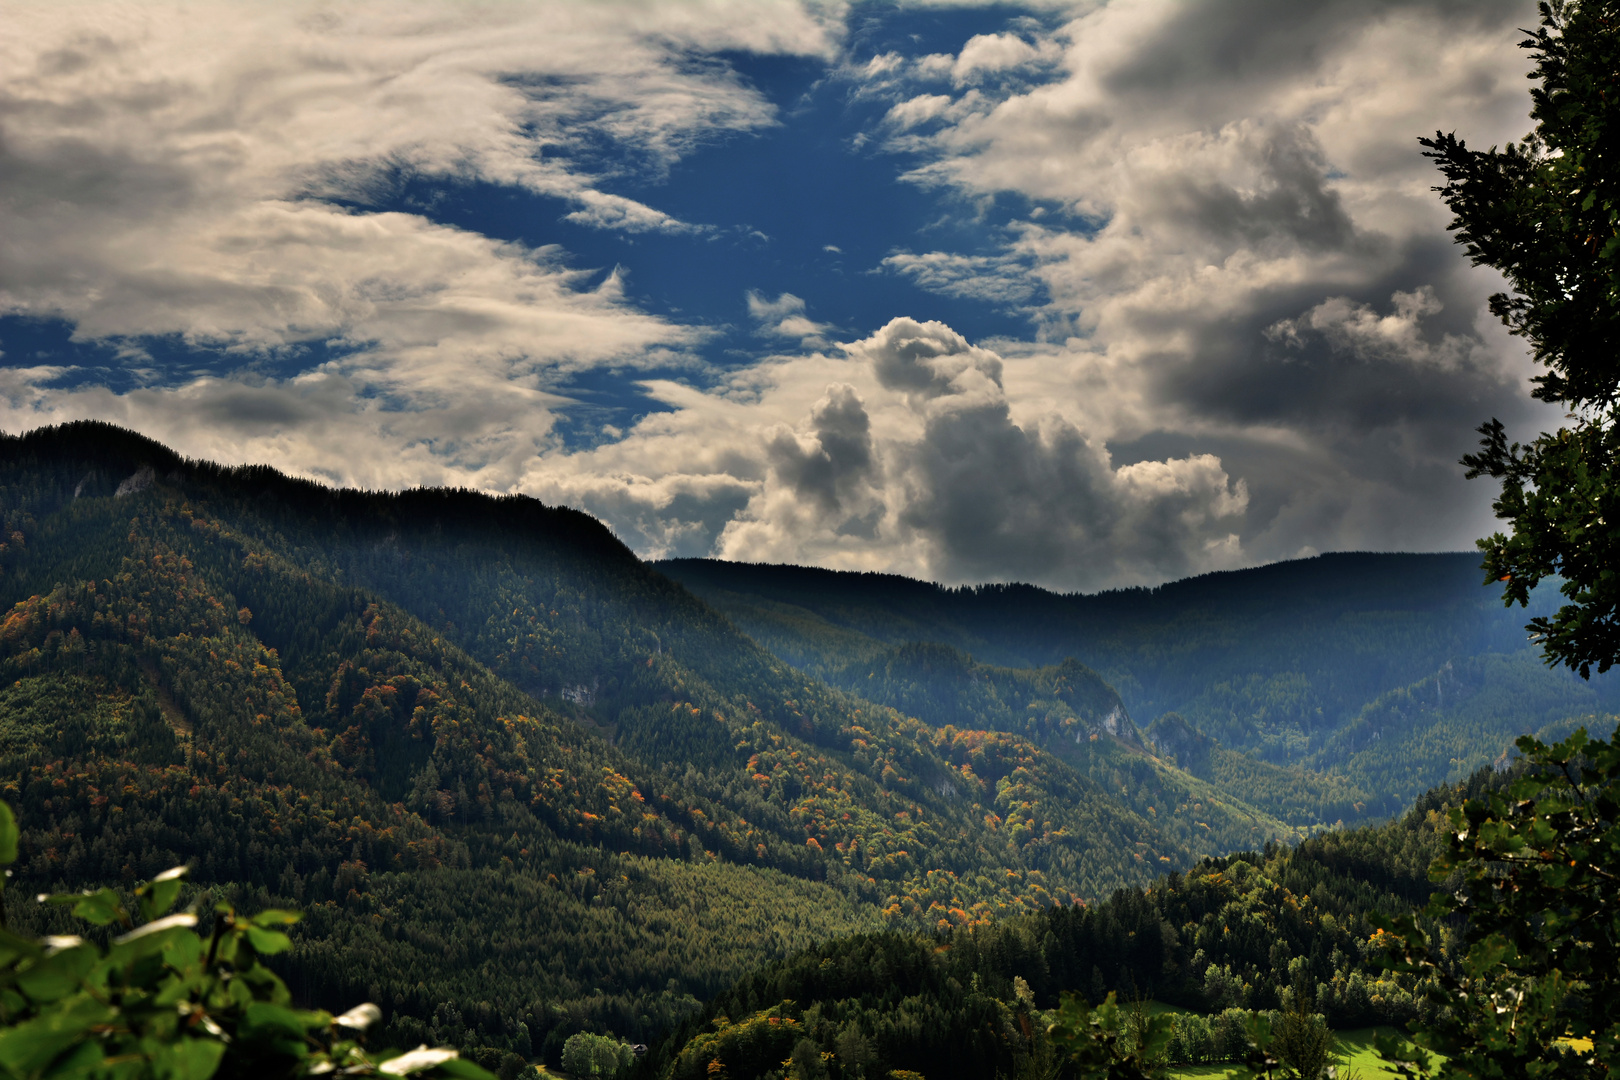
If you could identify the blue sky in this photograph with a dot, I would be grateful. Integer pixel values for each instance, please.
(1086, 294)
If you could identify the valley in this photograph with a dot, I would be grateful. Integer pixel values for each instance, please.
(524, 784)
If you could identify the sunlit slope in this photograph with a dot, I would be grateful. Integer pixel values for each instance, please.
(1240, 932)
(347, 589)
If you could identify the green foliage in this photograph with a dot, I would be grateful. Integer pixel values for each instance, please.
(587, 1055)
(524, 788)
(144, 722)
(1218, 1038)
(754, 1046)
(1301, 1041)
(161, 1000)
(1460, 719)
(1540, 952)
(1110, 1043)
(1545, 212)
(1246, 941)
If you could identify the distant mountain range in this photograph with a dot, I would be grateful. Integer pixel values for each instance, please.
(1390, 672)
(524, 783)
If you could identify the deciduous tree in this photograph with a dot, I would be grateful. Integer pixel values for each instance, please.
(1545, 212)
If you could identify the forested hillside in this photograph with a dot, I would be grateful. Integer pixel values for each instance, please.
(1237, 934)
(522, 783)
(1379, 675)
(525, 785)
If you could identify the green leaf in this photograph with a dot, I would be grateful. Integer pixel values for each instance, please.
(175, 990)
(97, 908)
(182, 951)
(276, 917)
(461, 1068)
(159, 894)
(264, 985)
(267, 1021)
(59, 974)
(32, 1045)
(189, 1059)
(150, 940)
(8, 835)
(83, 1060)
(12, 947)
(1257, 1029)
(225, 953)
(268, 942)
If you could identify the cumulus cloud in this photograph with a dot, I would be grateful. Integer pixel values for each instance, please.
(901, 449)
(929, 360)
(978, 493)
(1237, 245)
(826, 464)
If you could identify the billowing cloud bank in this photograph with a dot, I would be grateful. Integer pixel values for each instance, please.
(903, 451)
(1250, 334)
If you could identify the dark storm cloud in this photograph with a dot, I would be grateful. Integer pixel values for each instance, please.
(1253, 45)
(1287, 200)
(993, 498)
(837, 455)
(1356, 361)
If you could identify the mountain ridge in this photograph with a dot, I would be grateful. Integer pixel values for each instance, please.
(388, 709)
(417, 714)
(1273, 662)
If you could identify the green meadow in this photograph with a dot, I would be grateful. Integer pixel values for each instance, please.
(1358, 1056)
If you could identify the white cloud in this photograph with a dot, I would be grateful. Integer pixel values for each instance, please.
(992, 54)
(191, 172)
(1253, 336)
(784, 317)
(900, 451)
(1000, 279)
(978, 495)
(1358, 331)
(914, 112)
(1223, 202)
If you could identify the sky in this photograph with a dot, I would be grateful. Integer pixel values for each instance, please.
(1084, 294)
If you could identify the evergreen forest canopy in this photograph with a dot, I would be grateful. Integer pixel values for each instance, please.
(524, 786)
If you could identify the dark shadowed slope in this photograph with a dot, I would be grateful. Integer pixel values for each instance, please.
(1311, 663)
